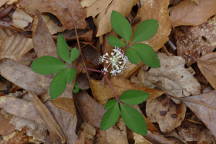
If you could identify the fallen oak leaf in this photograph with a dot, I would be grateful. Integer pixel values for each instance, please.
(48, 118)
(69, 12)
(156, 9)
(102, 92)
(190, 13)
(204, 108)
(207, 65)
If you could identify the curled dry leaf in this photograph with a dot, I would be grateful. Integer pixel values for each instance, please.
(156, 9)
(13, 45)
(172, 77)
(207, 65)
(193, 42)
(204, 108)
(20, 19)
(91, 111)
(102, 92)
(103, 10)
(165, 112)
(69, 12)
(9, 2)
(44, 45)
(189, 13)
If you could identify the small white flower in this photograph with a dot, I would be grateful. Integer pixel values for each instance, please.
(115, 62)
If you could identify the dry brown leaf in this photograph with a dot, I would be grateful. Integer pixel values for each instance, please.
(190, 132)
(189, 13)
(91, 111)
(69, 12)
(44, 45)
(48, 119)
(193, 42)
(20, 19)
(20, 108)
(87, 3)
(102, 92)
(204, 108)
(13, 45)
(207, 65)
(114, 135)
(165, 112)
(2, 2)
(23, 77)
(172, 77)
(52, 26)
(103, 10)
(5, 128)
(139, 139)
(156, 9)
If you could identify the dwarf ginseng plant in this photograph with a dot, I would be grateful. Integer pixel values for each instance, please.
(62, 68)
(115, 63)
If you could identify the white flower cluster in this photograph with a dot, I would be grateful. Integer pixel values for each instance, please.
(115, 62)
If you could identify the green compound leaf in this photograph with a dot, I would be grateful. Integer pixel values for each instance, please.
(133, 119)
(62, 48)
(114, 41)
(133, 97)
(47, 65)
(110, 104)
(146, 54)
(121, 25)
(145, 30)
(110, 117)
(133, 56)
(74, 54)
(71, 74)
(58, 84)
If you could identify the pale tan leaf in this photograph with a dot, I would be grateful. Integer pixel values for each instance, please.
(52, 26)
(189, 13)
(69, 12)
(165, 112)
(2, 2)
(139, 139)
(47, 117)
(207, 65)
(20, 108)
(103, 19)
(102, 92)
(23, 77)
(87, 3)
(156, 9)
(20, 19)
(204, 108)
(13, 45)
(172, 77)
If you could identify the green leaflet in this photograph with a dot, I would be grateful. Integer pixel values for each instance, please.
(147, 55)
(133, 119)
(47, 65)
(133, 97)
(74, 54)
(58, 84)
(145, 30)
(62, 48)
(110, 117)
(114, 41)
(121, 25)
